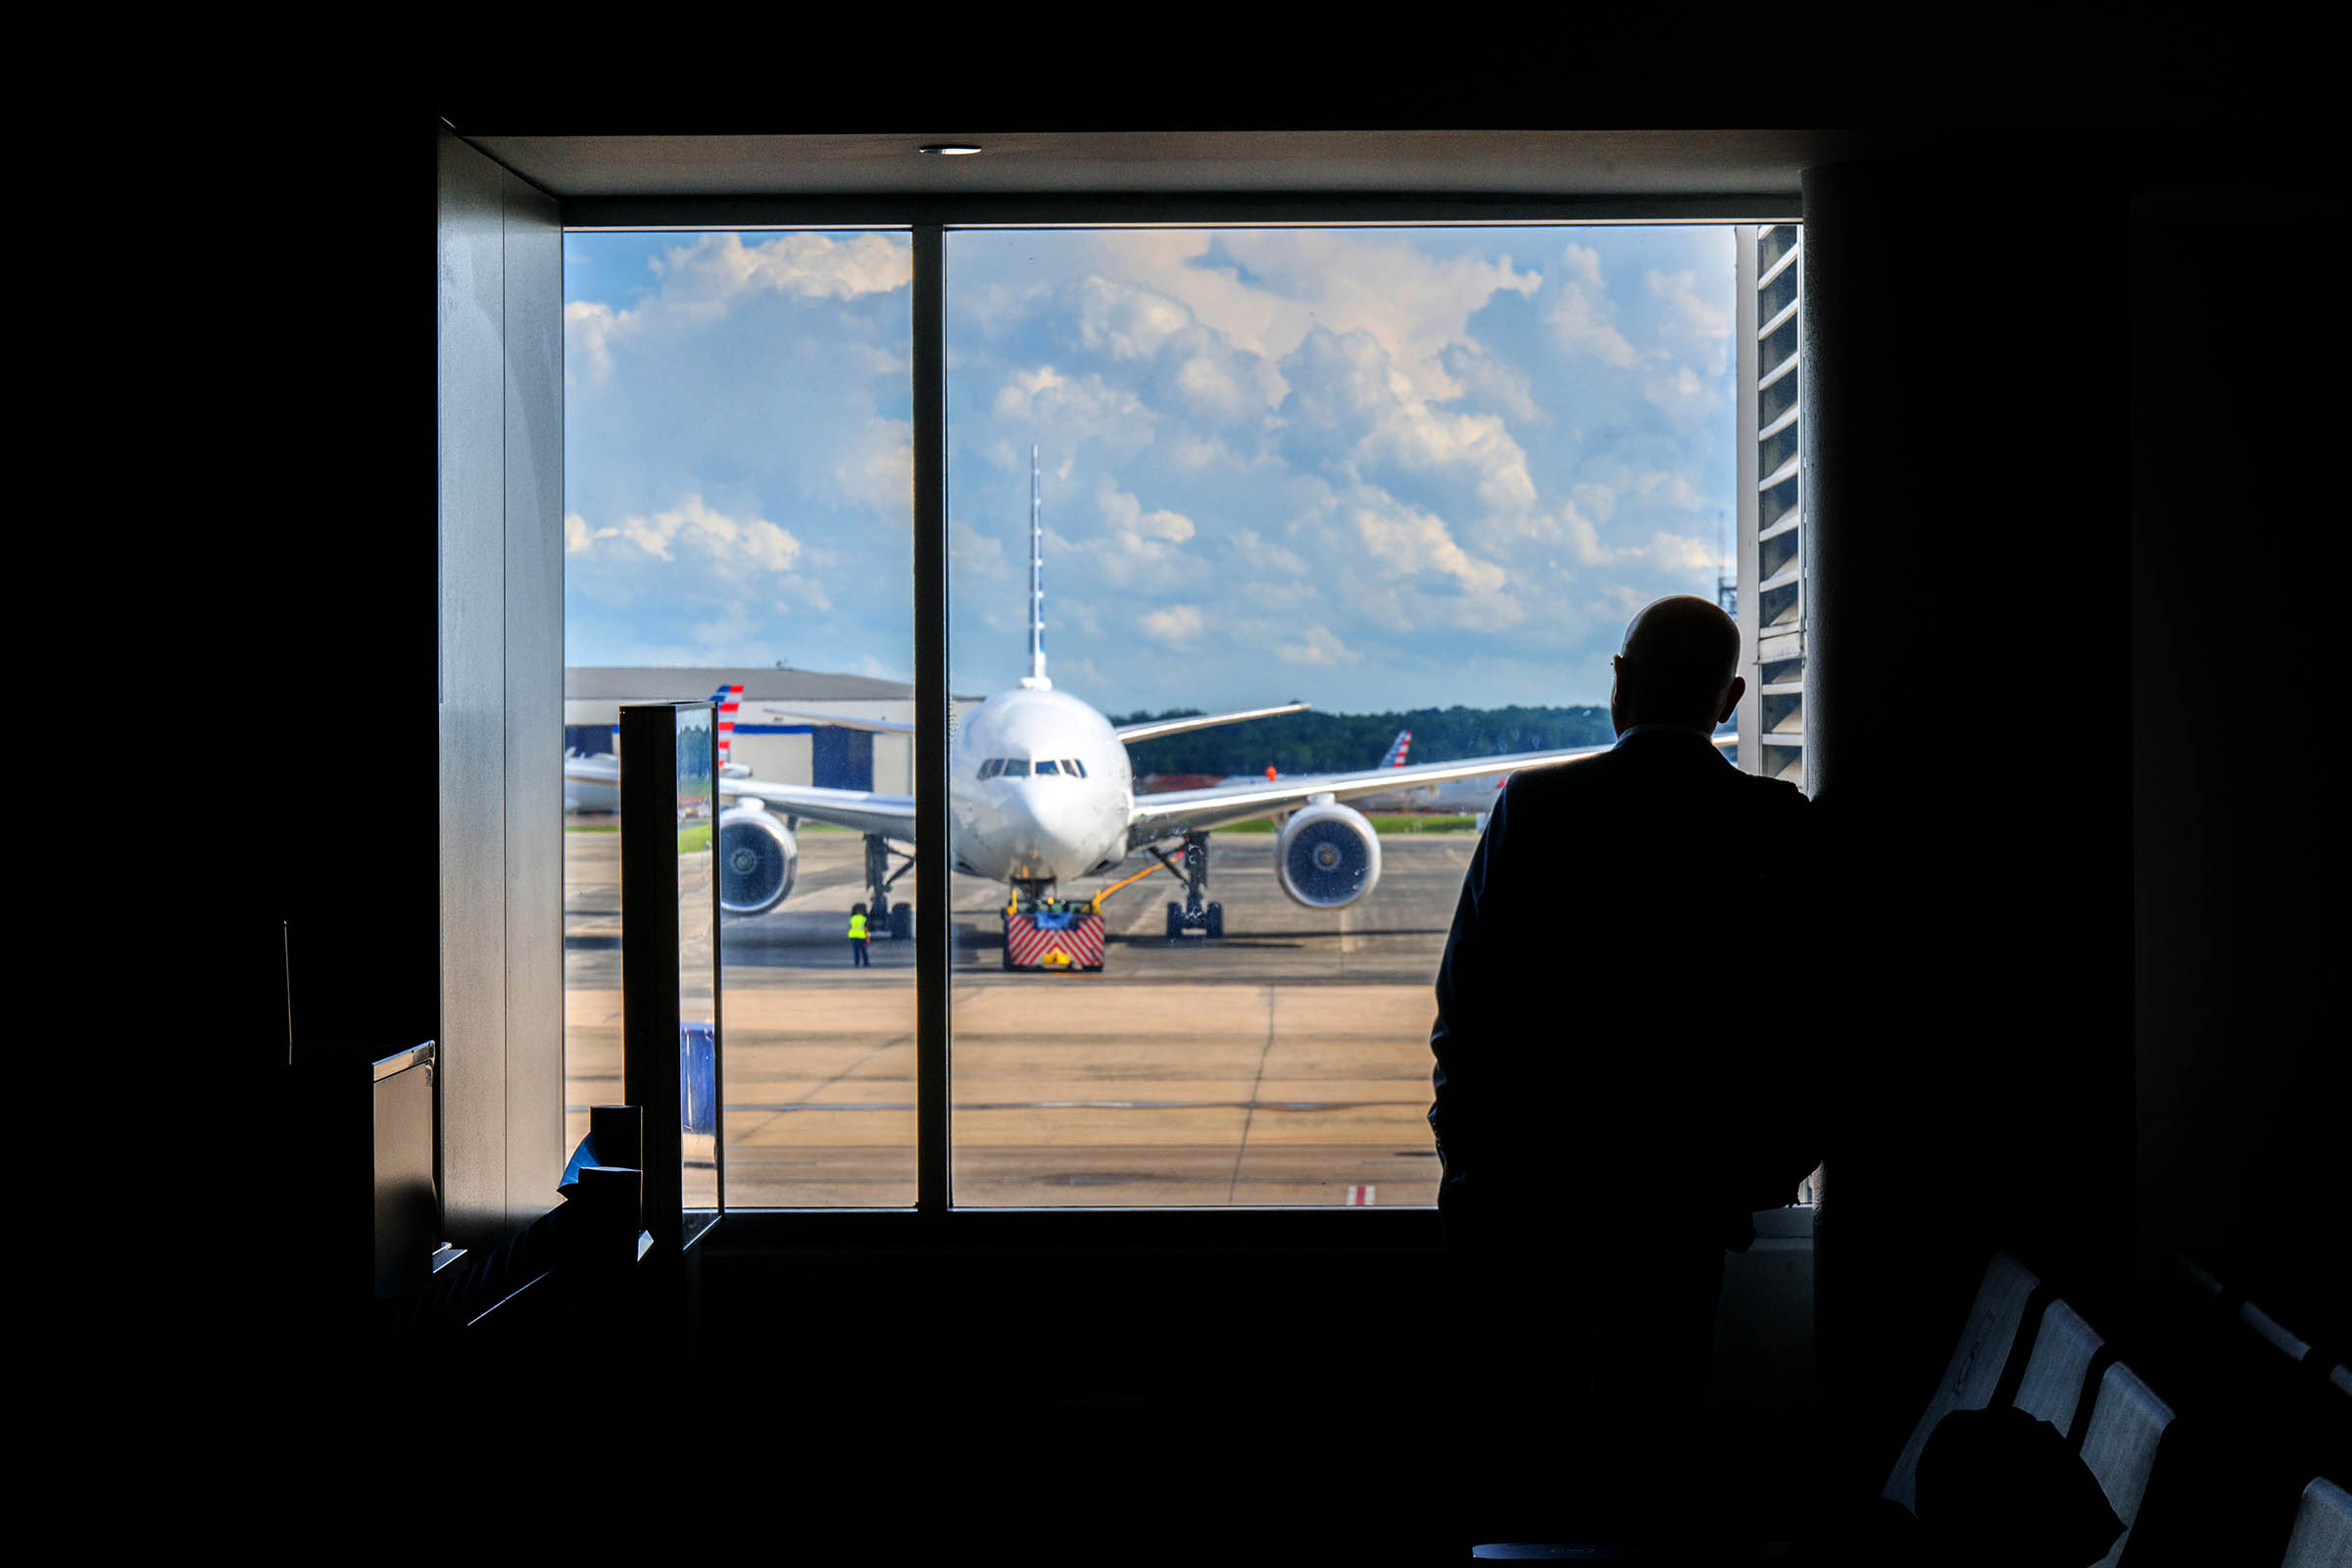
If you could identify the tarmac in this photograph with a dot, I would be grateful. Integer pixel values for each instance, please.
(1285, 1065)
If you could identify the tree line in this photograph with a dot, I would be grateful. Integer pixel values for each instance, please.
(1332, 743)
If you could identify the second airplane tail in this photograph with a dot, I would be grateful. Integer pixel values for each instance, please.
(727, 700)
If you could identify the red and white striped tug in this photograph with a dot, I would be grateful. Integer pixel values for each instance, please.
(1069, 938)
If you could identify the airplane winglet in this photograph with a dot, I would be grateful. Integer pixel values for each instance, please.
(1131, 733)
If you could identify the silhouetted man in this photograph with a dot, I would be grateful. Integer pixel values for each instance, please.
(1604, 1115)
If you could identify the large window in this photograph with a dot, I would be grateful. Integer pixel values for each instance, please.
(1416, 479)
(737, 517)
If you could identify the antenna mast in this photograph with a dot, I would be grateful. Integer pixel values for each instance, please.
(1727, 581)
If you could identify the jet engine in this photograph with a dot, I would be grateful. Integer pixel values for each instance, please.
(757, 859)
(1327, 855)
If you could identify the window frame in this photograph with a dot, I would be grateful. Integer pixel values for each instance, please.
(933, 1221)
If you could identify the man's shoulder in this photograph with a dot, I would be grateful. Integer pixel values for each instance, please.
(1638, 772)
(1533, 786)
(1777, 792)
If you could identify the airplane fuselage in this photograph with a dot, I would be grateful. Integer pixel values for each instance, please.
(1039, 788)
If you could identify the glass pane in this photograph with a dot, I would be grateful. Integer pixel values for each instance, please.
(698, 974)
(1416, 478)
(738, 495)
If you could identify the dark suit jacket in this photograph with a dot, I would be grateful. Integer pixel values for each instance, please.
(1596, 1041)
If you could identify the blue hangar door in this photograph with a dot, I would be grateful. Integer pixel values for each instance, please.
(841, 758)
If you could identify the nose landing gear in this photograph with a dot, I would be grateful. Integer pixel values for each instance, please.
(1195, 917)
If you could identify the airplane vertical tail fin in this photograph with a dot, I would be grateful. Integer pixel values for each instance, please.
(725, 700)
(1397, 747)
(1036, 679)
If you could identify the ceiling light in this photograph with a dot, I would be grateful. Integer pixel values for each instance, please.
(949, 149)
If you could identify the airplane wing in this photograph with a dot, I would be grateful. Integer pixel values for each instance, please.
(1131, 733)
(602, 768)
(890, 816)
(1159, 816)
(879, 726)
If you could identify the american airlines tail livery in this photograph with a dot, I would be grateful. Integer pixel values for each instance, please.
(1041, 793)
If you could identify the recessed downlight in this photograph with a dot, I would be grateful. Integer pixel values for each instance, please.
(949, 149)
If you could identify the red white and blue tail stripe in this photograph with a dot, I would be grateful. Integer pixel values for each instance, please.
(726, 699)
(1397, 748)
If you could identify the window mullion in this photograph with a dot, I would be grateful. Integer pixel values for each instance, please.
(933, 891)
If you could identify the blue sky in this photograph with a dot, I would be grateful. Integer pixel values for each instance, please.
(1371, 469)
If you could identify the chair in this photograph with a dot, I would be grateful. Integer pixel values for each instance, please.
(2126, 1425)
(2280, 1339)
(2322, 1537)
(2060, 1368)
(1975, 1372)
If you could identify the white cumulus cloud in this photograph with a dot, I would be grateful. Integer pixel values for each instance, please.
(1580, 318)
(878, 472)
(1175, 624)
(1413, 540)
(812, 265)
(1585, 534)
(1075, 407)
(1318, 647)
(1681, 551)
(1414, 305)
(1681, 395)
(1670, 489)
(588, 329)
(1131, 322)
(748, 542)
(1141, 544)
(1694, 314)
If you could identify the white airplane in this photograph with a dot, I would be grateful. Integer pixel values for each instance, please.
(1041, 793)
(581, 795)
(1394, 757)
(1475, 793)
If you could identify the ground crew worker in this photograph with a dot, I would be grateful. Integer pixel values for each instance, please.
(858, 938)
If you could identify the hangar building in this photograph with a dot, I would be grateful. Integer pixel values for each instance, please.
(783, 748)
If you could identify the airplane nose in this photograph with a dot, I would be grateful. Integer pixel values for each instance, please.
(1043, 842)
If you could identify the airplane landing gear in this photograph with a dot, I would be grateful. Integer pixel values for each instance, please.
(897, 921)
(1194, 916)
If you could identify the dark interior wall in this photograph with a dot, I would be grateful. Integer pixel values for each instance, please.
(2066, 449)
(1070, 1383)
(315, 420)
(1968, 560)
(2236, 650)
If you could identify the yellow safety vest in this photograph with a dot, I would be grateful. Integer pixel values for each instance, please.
(857, 928)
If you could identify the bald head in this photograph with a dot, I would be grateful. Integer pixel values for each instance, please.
(1678, 667)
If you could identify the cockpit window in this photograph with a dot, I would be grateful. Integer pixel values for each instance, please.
(1022, 767)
